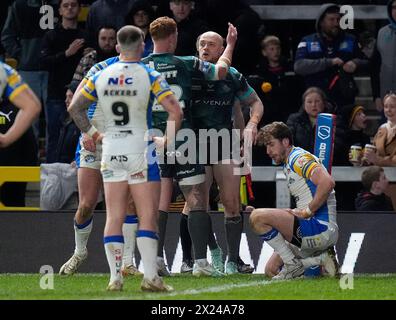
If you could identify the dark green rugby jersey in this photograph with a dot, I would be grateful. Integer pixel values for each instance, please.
(212, 101)
(178, 72)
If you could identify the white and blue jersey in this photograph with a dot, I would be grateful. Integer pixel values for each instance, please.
(298, 170)
(125, 92)
(83, 157)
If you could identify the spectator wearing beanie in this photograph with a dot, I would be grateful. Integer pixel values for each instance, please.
(141, 15)
(350, 131)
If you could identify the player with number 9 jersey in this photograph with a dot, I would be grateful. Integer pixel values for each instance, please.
(126, 92)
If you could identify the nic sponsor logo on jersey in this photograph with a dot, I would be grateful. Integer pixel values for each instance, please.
(120, 81)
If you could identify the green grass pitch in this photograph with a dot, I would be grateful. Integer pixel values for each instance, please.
(188, 287)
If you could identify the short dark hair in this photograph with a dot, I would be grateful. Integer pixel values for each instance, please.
(129, 37)
(370, 175)
(275, 130)
(108, 26)
(332, 9)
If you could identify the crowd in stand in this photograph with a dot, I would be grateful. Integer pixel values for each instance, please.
(320, 78)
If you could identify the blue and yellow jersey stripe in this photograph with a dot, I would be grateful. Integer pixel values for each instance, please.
(14, 84)
(303, 163)
(89, 90)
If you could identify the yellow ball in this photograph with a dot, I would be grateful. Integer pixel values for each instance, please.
(266, 87)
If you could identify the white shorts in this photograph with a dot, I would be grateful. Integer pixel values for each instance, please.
(315, 244)
(124, 159)
(88, 159)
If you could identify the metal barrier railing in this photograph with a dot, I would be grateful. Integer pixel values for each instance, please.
(259, 174)
(341, 174)
(19, 174)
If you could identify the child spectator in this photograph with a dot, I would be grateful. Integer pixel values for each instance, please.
(281, 95)
(372, 198)
(350, 131)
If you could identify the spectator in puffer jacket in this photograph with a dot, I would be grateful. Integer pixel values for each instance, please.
(329, 58)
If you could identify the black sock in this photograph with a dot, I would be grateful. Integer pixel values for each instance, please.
(162, 221)
(185, 238)
(233, 228)
(212, 243)
(198, 225)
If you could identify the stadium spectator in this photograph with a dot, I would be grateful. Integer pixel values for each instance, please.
(22, 38)
(106, 13)
(19, 107)
(385, 143)
(372, 197)
(300, 237)
(246, 20)
(189, 27)
(131, 174)
(383, 77)
(329, 58)
(68, 140)
(3, 17)
(62, 49)
(105, 50)
(281, 94)
(349, 132)
(303, 123)
(141, 15)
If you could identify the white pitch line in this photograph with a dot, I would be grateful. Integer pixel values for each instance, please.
(227, 287)
(154, 296)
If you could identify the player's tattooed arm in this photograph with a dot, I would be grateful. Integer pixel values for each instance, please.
(78, 111)
(257, 108)
(256, 113)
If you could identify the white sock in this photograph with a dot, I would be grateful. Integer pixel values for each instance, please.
(114, 246)
(81, 236)
(129, 229)
(160, 260)
(147, 243)
(202, 262)
(311, 261)
(278, 243)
